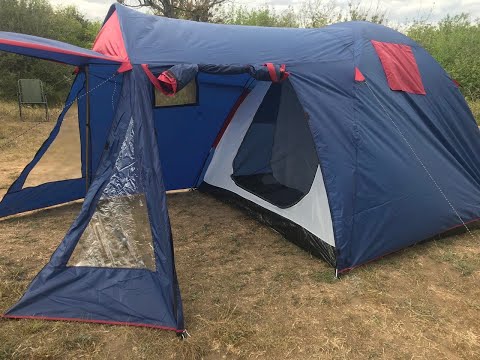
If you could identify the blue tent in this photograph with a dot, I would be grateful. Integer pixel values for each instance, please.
(350, 140)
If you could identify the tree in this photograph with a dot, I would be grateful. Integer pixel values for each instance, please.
(318, 13)
(358, 12)
(197, 10)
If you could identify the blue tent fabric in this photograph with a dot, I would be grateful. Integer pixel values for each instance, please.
(345, 119)
(51, 50)
(118, 295)
(398, 168)
(185, 134)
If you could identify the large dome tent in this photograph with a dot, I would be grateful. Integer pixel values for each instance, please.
(350, 140)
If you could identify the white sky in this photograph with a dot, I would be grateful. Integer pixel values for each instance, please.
(397, 10)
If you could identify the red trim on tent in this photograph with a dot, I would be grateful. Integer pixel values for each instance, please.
(358, 75)
(457, 84)
(230, 116)
(400, 67)
(169, 82)
(272, 72)
(155, 81)
(110, 42)
(126, 66)
(283, 72)
(152, 77)
(54, 49)
(91, 321)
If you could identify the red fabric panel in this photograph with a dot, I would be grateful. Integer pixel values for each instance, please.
(110, 42)
(400, 67)
(358, 75)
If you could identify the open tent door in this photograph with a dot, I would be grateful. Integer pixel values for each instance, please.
(65, 162)
(26, 193)
(277, 160)
(115, 264)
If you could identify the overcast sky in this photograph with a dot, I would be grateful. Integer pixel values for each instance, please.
(397, 10)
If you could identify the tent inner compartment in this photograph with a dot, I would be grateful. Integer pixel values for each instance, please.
(277, 160)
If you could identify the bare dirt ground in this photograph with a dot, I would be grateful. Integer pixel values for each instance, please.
(247, 292)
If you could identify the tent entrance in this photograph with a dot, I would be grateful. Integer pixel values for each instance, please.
(277, 160)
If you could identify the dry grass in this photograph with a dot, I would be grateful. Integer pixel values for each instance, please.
(248, 293)
(475, 107)
(27, 136)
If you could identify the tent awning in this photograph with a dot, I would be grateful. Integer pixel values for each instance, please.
(52, 50)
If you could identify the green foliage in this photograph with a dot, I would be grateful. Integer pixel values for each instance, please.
(262, 16)
(311, 14)
(38, 17)
(455, 43)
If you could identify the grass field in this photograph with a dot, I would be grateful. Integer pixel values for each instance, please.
(475, 107)
(247, 292)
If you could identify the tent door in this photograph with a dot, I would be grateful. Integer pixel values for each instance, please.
(277, 160)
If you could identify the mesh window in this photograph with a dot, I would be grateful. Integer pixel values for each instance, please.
(119, 234)
(62, 160)
(277, 160)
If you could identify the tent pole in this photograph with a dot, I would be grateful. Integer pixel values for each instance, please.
(87, 130)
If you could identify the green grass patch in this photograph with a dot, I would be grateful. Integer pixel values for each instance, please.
(475, 107)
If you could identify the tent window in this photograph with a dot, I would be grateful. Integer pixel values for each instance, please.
(400, 67)
(187, 96)
(277, 160)
(62, 159)
(118, 234)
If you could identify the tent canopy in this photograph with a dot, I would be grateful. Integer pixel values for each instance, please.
(47, 49)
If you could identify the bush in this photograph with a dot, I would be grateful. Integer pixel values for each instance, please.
(455, 43)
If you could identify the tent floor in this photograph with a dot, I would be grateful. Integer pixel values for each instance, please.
(268, 188)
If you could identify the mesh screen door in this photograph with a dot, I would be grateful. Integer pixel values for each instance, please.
(277, 160)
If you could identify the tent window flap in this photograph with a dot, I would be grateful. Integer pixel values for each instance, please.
(400, 67)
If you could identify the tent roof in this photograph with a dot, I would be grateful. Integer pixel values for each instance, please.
(156, 40)
(51, 50)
